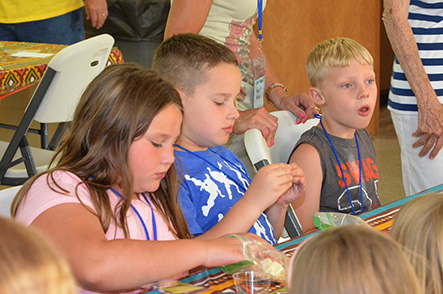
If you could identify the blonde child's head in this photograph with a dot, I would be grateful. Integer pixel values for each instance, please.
(335, 52)
(29, 264)
(352, 259)
(184, 59)
(418, 227)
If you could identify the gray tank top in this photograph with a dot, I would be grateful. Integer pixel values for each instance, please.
(334, 197)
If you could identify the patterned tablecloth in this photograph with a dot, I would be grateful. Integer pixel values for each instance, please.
(216, 281)
(18, 73)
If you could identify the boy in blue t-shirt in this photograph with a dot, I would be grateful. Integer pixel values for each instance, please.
(216, 194)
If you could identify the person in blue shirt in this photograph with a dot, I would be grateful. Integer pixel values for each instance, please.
(216, 195)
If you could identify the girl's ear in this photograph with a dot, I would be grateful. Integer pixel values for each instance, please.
(316, 96)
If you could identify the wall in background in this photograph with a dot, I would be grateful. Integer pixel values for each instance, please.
(291, 28)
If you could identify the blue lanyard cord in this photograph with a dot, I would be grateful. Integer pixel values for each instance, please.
(154, 225)
(260, 18)
(341, 169)
(216, 167)
(360, 169)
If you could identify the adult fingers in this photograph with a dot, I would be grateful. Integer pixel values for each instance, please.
(428, 145)
(421, 141)
(437, 147)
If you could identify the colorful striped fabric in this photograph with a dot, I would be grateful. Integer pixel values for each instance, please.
(213, 280)
(18, 73)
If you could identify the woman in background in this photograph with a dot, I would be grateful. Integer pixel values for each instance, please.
(230, 23)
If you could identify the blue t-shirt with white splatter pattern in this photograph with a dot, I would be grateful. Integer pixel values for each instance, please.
(212, 182)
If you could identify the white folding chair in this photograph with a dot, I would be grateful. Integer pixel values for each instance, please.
(54, 101)
(288, 133)
(6, 197)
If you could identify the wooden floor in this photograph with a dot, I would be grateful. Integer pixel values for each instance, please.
(390, 186)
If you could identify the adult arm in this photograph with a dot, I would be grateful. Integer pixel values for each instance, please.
(97, 12)
(308, 159)
(278, 96)
(430, 111)
(185, 16)
(122, 264)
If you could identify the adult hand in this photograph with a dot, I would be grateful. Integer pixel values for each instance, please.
(97, 12)
(257, 118)
(429, 129)
(301, 105)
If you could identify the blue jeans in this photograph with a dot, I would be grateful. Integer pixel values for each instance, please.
(65, 29)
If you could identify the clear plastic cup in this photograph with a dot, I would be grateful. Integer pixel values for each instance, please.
(252, 282)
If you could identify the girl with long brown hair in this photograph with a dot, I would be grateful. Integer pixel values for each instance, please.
(114, 186)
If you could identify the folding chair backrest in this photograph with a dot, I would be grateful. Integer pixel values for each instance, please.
(288, 133)
(54, 101)
(6, 197)
(75, 67)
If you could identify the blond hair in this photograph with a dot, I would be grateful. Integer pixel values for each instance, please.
(352, 259)
(335, 52)
(418, 227)
(184, 59)
(29, 264)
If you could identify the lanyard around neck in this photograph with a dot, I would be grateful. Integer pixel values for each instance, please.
(154, 225)
(245, 174)
(260, 19)
(341, 169)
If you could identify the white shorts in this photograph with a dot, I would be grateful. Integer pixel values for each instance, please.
(418, 173)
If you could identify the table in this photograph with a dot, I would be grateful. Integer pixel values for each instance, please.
(18, 73)
(216, 281)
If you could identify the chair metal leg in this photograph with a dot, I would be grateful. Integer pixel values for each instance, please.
(44, 135)
(292, 224)
(27, 155)
(19, 139)
(56, 138)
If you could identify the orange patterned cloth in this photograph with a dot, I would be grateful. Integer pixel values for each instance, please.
(18, 73)
(214, 281)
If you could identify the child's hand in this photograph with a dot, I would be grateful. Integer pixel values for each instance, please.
(298, 186)
(228, 250)
(272, 181)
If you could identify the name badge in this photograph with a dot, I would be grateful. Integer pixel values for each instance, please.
(259, 72)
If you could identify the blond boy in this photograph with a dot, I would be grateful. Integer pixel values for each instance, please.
(333, 153)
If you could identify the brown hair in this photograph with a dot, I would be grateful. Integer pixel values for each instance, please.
(335, 52)
(183, 59)
(418, 227)
(31, 265)
(352, 259)
(115, 109)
